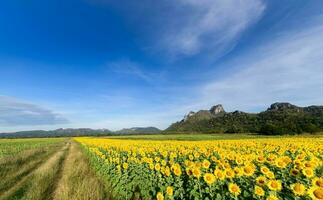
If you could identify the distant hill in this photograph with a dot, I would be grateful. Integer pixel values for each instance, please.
(69, 132)
(138, 130)
(279, 118)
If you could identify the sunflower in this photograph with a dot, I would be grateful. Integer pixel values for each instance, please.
(280, 163)
(308, 172)
(162, 170)
(272, 197)
(317, 182)
(160, 196)
(157, 167)
(298, 189)
(229, 173)
(248, 170)
(163, 162)
(239, 161)
(261, 159)
(151, 166)
(261, 180)
(234, 189)
(294, 172)
(308, 164)
(213, 158)
(287, 159)
(170, 191)
(167, 171)
(270, 175)
(157, 159)
(190, 164)
(188, 171)
(209, 178)
(177, 171)
(196, 172)
(219, 174)
(259, 191)
(264, 169)
(196, 155)
(206, 164)
(125, 165)
(316, 193)
(238, 171)
(186, 162)
(198, 164)
(274, 185)
(227, 166)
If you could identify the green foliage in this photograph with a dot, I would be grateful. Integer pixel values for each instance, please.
(138, 130)
(283, 119)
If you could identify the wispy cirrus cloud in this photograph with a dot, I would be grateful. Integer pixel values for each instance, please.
(287, 68)
(14, 112)
(184, 28)
(127, 67)
(135, 70)
(208, 26)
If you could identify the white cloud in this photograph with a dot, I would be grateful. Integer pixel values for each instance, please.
(129, 68)
(132, 69)
(208, 26)
(189, 27)
(289, 68)
(14, 112)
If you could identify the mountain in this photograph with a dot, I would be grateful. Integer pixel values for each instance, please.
(69, 132)
(138, 130)
(279, 118)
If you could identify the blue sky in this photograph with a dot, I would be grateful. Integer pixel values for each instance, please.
(115, 64)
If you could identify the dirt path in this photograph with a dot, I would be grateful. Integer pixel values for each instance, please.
(65, 174)
(34, 182)
(79, 182)
(49, 194)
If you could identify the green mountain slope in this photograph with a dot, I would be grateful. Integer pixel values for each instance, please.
(279, 118)
(138, 130)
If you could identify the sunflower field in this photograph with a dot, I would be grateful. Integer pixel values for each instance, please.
(270, 168)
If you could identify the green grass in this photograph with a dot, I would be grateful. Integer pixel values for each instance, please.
(15, 168)
(203, 136)
(14, 146)
(78, 181)
(48, 168)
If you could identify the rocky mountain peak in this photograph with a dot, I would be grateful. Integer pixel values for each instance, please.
(237, 112)
(217, 109)
(281, 106)
(191, 113)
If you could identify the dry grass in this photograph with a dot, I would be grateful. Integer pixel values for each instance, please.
(35, 185)
(14, 169)
(79, 182)
(10, 176)
(58, 172)
(44, 178)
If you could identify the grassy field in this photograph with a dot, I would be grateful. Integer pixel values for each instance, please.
(37, 169)
(13, 146)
